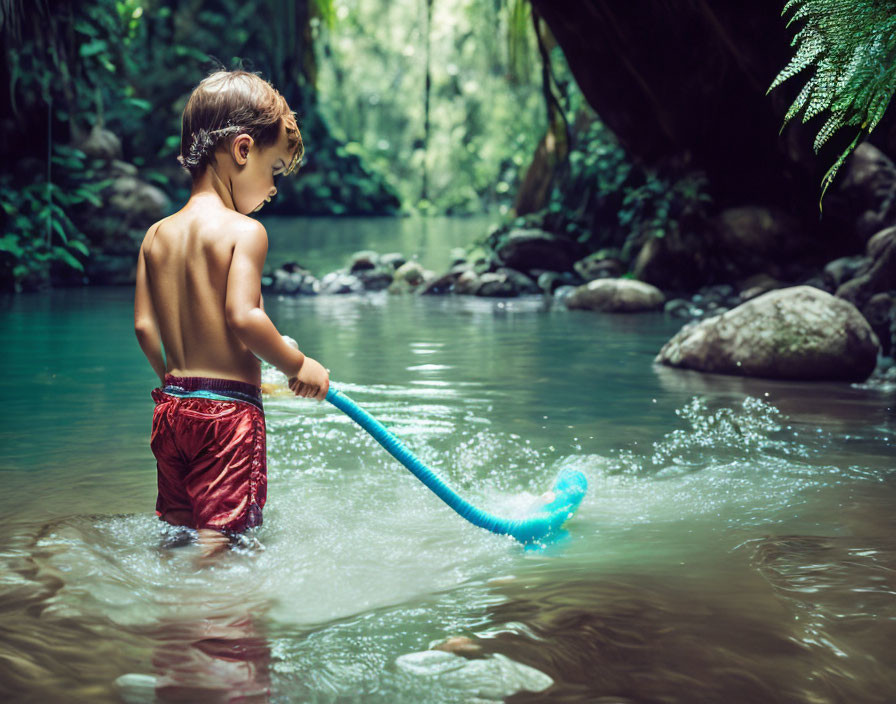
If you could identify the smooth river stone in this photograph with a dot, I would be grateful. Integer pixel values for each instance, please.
(800, 333)
(616, 296)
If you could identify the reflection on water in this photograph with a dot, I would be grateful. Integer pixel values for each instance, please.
(735, 545)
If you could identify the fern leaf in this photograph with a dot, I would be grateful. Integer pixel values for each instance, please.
(852, 46)
(800, 102)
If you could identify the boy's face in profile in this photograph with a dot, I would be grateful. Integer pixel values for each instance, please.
(254, 169)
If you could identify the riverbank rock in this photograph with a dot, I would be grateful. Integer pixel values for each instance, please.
(101, 144)
(756, 285)
(139, 201)
(865, 199)
(496, 285)
(878, 275)
(536, 249)
(445, 283)
(363, 261)
(291, 279)
(799, 333)
(680, 261)
(409, 277)
(616, 296)
(880, 312)
(340, 281)
(597, 266)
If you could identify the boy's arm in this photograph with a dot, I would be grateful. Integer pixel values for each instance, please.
(243, 306)
(145, 324)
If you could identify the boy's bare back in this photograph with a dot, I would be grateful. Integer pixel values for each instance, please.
(198, 290)
(188, 258)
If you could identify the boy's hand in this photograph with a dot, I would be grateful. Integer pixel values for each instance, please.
(312, 381)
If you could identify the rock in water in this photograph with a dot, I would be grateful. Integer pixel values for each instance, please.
(797, 333)
(616, 296)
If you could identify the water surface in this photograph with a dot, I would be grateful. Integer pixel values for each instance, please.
(736, 543)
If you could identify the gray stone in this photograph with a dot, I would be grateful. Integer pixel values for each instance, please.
(458, 256)
(561, 293)
(880, 312)
(441, 284)
(617, 296)
(363, 261)
(340, 282)
(867, 192)
(598, 267)
(521, 282)
(101, 144)
(466, 283)
(839, 271)
(879, 242)
(141, 202)
(286, 282)
(375, 279)
(677, 308)
(879, 276)
(549, 281)
(409, 277)
(756, 285)
(393, 259)
(496, 285)
(528, 249)
(794, 333)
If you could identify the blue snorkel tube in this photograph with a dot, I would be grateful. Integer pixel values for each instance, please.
(568, 490)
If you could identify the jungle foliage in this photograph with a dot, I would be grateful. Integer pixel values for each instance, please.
(852, 46)
(600, 195)
(481, 78)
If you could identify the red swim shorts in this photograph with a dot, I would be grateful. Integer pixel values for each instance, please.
(210, 453)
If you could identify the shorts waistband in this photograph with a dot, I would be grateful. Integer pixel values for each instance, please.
(231, 388)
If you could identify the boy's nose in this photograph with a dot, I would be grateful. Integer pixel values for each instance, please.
(273, 191)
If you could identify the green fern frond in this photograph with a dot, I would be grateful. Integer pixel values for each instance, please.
(852, 46)
(800, 102)
(805, 56)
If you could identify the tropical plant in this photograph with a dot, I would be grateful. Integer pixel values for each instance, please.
(40, 234)
(852, 45)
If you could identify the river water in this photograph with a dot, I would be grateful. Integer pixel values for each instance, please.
(736, 543)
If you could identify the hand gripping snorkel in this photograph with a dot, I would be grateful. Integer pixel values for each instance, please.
(563, 500)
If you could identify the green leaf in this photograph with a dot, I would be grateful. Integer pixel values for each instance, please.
(56, 225)
(92, 48)
(80, 246)
(64, 255)
(10, 243)
(89, 196)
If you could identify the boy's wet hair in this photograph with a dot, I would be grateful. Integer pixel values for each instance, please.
(228, 103)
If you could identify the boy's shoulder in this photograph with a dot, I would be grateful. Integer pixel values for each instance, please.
(221, 223)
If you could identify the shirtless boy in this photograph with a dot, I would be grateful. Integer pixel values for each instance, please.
(198, 293)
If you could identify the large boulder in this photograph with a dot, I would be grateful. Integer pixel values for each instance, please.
(793, 333)
(616, 296)
(536, 249)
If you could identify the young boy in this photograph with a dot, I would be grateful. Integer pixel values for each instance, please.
(198, 293)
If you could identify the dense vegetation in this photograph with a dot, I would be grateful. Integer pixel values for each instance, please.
(404, 106)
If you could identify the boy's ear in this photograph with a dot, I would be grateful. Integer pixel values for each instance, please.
(239, 150)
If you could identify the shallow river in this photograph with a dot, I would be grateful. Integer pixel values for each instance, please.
(737, 542)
